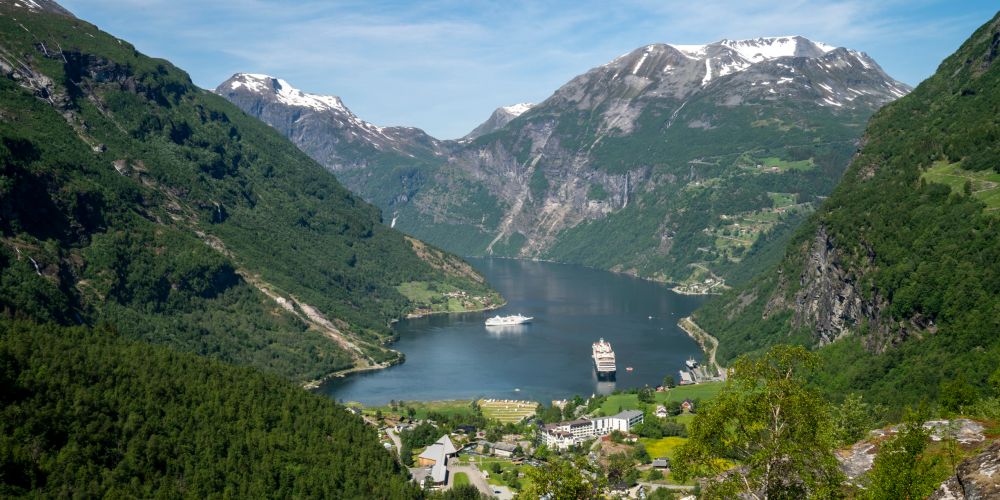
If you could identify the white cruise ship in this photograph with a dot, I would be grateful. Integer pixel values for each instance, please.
(604, 360)
(516, 319)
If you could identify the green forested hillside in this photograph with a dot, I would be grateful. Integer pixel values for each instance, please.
(145, 222)
(84, 414)
(129, 195)
(901, 266)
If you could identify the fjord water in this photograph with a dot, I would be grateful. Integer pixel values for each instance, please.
(458, 357)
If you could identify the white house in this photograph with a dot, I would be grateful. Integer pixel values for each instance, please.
(505, 450)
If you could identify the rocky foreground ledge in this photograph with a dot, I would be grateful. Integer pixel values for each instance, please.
(976, 478)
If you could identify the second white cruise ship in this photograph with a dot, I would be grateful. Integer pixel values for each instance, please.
(516, 319)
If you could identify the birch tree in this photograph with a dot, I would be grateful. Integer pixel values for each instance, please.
(766, 435)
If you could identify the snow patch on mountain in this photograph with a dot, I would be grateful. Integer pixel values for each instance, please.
(28, 4)
(286, 93)
(645, 55)
(518, 109)
(708, 72)
(283, 92)
(692, 51)
(767, 48)
(726, 57)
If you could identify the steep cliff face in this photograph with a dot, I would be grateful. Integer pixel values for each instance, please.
(833, 302)
(896, 274)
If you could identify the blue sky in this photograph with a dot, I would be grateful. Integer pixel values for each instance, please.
(444, 65)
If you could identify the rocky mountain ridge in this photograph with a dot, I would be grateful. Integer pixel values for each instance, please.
(656, 136)
(498, 120)
(322, 125)
(41, 6)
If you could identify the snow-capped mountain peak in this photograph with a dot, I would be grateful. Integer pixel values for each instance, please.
(766, 48)
(499, 119)
(285, 92)
(302, 115)
(40, 6)
(518, 109)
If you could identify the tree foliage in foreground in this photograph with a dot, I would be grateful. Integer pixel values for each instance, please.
(564, 480)
(902, 469)
(777, 431)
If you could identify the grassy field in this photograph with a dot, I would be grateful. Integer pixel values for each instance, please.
(663, 447)
(507, 410)
(782, 199)
(985, 184)
(502, 410)
(421, 294)
(684, 418)
(618, 402)
(461, 479)
(773, 161)
(423, 408)
(704, 392)
(484, 464)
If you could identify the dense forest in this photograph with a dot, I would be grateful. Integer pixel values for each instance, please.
(85, 414)
(918, 251)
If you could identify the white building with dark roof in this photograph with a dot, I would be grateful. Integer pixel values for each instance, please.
(504, 449)
(565, 434)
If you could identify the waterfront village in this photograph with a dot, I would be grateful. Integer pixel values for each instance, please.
(492, 443)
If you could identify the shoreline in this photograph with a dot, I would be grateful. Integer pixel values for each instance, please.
(702, 337)
(400, 359)
(684, 292)
(317, 383)
(666, 283)
(492, 307)
(312, 385)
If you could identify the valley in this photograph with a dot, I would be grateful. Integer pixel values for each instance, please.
(676, 140)
(750, 268)
(456, 356)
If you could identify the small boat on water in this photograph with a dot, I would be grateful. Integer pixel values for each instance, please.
(691, 363)
(628, 368)
(516, 319)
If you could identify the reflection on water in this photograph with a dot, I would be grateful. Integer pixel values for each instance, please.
(458, 357)
(506, 329)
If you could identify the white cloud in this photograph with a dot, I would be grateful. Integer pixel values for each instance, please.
(444, 64)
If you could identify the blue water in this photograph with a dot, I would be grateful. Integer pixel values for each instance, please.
(457, 357)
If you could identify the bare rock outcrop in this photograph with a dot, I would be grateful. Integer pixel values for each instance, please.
(977, 478)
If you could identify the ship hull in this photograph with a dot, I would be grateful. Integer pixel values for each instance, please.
(605, 373)
(507, 323)
(508, 320)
